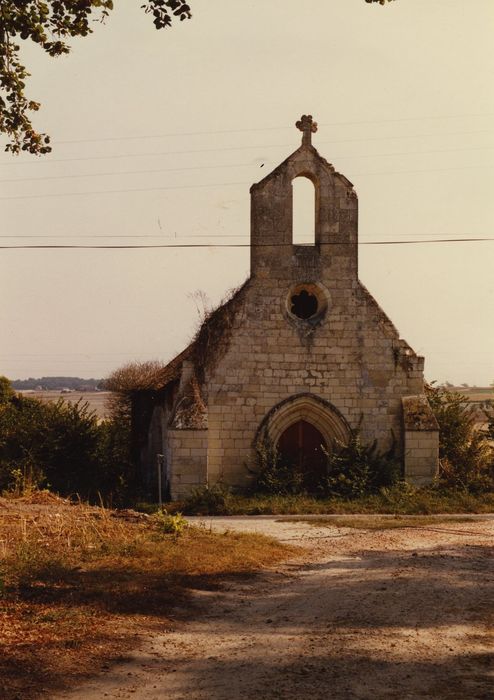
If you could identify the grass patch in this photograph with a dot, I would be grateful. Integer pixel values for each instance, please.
(402, 499)
(77, 583)
(385, 523)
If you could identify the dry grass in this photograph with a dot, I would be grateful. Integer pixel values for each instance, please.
(79, 585)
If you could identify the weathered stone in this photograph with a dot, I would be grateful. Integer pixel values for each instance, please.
(302, 340)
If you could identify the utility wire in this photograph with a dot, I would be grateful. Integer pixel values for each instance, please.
(222, 184)
(223, 245)
(230, 165)
(47, 160)
(138, 189)
(271, 128)
(186, 235)
(118, 235)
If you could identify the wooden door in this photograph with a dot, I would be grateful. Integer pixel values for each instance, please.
(302, 446)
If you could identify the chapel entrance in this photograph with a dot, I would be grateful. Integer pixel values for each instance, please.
(301, 446)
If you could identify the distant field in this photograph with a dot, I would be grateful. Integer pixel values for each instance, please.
(477, 393)
(95, 399)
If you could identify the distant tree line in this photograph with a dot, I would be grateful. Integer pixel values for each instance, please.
(57, 383)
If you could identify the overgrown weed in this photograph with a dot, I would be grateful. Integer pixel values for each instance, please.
(402, 498)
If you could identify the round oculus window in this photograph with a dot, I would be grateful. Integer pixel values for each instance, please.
(307, 301)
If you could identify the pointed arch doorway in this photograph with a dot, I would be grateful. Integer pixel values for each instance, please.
(302, 427)
(302, 447)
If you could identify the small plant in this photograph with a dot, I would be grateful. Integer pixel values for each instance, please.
(24, 481)
(273, 475)
(170, 524)
(209, 500)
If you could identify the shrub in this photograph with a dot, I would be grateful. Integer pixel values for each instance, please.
(53, 442)
(64, 446)
(356, 469)
(22, 436)
(352, 470)
(116, 476)
(466, 456)
(208, 500)
(272, 474)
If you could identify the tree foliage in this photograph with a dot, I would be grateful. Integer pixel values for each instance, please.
(50, 24)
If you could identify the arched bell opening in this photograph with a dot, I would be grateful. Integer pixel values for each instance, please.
(303, 211)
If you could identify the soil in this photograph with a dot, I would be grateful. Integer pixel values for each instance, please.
(399, 613)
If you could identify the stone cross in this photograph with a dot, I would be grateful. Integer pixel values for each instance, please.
(307, 127)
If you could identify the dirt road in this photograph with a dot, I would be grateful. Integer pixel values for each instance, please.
(400, 613)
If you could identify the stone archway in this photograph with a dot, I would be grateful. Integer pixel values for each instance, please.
(302, 428)
(305, 407)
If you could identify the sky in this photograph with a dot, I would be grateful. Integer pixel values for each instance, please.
(157, 137)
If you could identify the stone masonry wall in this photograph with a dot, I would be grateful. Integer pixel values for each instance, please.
(421, 440)
(186, 456)
(421, 456)
(352, 357)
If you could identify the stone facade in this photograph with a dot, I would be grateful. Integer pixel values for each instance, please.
(421, 444)
(186, 460)
(301, 340)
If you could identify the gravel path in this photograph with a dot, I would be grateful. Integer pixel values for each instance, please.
(404, 613)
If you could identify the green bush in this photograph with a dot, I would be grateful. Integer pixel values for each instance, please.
(272, 474)
(62, 446)
(208, 500)
(466, 455)
(356, 469)
(352, 471)
(116, 479)
(53, 443)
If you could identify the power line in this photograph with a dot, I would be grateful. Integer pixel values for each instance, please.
(132, 172)
(232, 165)
(222, 245)
(124, 191)
(47, 160)
(223, 184)
(269, 128)
(174, 236)
(118, 235)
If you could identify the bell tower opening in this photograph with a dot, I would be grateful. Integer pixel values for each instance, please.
(304, 211)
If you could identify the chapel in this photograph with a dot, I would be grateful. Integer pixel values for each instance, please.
(300, 355)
